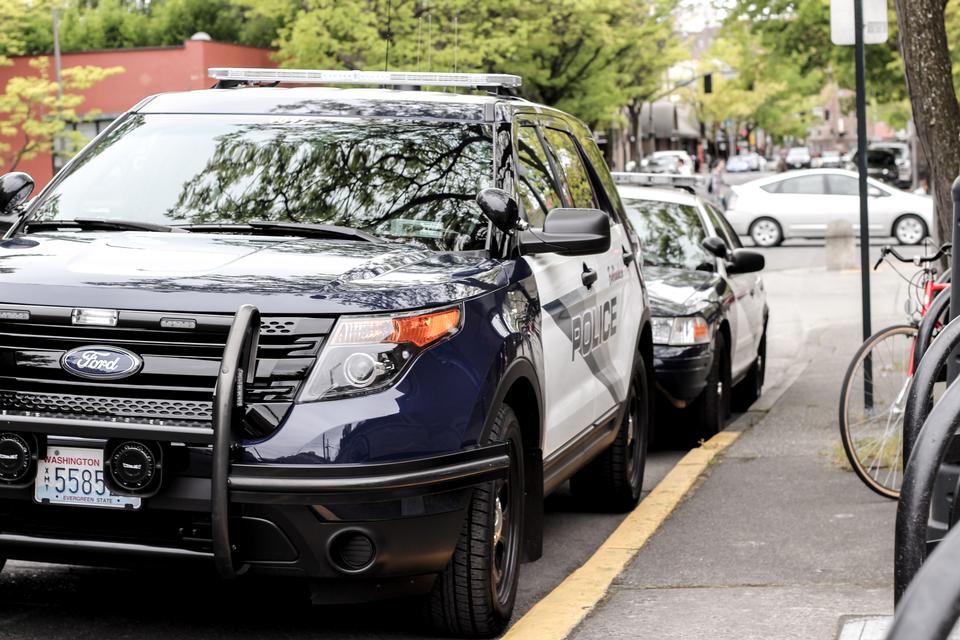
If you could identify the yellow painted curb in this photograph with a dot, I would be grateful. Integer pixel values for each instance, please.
(557, 614)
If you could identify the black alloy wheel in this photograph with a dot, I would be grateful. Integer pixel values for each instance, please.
(474, 596)
(614, 480)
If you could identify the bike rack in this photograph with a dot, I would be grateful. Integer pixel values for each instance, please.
(237, 370)
(930, 444)
(927, 369)
(931, 605)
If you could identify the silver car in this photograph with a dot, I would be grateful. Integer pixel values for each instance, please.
(800, 204)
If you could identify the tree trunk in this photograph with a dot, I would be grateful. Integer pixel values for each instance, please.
(926, 58)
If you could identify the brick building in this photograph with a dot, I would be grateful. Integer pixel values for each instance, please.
(146, 71)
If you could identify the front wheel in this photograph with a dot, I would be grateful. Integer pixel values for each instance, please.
(909, 229)
(475, 594)
(711, 410)
(614, 479)
(872, 402)
(766, 232)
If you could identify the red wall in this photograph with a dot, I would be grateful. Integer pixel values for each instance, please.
(146, 72)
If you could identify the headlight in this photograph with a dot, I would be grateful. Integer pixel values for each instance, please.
(368, 353)
(681, 331)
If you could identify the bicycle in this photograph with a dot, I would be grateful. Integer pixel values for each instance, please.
(874, 392)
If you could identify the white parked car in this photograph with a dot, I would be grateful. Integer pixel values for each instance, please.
(800, 204)
(669, 159)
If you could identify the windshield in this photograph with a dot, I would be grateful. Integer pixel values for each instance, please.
(671, 234)
(396, 179)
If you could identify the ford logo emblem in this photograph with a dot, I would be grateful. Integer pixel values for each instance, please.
(101, 363)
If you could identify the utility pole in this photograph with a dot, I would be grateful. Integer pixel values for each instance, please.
(861, 56)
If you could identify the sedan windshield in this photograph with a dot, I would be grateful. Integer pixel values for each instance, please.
(399, 180)
(671, 234)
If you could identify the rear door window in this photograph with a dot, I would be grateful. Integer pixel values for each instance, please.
(577, 180)
(805, 185)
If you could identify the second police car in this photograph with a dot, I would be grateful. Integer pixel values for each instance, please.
(348, 335)
(708, 302)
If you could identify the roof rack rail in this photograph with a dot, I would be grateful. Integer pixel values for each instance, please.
(230, 76)
(687, 183)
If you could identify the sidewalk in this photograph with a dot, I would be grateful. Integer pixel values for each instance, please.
(777, 541)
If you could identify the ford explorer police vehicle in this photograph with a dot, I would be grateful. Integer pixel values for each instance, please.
(352, 335)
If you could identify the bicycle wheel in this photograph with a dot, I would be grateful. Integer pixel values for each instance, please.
(872, 401)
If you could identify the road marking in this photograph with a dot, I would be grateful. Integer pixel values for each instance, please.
(561, 610)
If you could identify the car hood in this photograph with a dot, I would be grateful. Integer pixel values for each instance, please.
(216, 273)
(680, 292)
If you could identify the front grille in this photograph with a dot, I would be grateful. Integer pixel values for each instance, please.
(179, 366)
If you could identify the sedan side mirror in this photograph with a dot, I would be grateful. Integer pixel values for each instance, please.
(876, 192)
(746, 261)
(575, 232)
(15, 188)
(716, 246)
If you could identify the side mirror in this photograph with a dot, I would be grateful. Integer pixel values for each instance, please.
(500, 208)
(746, 261)
(575, 232)
(716, 246)
(875, 192)
(15, 188)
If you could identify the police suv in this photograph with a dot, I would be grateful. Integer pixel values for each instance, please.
(353, 335)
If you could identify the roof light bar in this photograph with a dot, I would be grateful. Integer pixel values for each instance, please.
(657, 180)
(412, 78)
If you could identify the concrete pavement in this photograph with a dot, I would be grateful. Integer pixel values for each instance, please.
(778, 541)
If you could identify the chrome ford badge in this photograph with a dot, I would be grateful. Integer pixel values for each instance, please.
(101, 363)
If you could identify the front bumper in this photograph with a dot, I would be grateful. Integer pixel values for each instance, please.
(682, 372)
(283, 520)
(401, 518)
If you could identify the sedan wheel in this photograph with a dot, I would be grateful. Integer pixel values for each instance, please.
(909, 230)
(766, 232)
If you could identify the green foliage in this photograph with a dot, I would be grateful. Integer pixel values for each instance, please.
(34, 115)
(589, 57)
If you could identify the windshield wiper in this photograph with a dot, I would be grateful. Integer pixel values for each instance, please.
(100, 224)
(285, 228)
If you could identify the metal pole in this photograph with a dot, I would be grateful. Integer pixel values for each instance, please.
(861, 56)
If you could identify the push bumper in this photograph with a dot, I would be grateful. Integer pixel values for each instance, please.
(360, 531)
(682, 372)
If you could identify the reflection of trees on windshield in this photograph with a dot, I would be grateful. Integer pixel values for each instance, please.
(390, 178)
(671, 234)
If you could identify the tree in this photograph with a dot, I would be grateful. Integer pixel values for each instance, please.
(574, 54)
(32, 115)
(936, 112)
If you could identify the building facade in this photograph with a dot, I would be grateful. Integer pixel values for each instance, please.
(146, 71)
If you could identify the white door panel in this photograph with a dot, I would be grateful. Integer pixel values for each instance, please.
(572, 386)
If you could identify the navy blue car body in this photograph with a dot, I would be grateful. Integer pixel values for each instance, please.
(202, 358)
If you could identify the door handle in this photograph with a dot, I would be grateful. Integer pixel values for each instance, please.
(588, 277)
(627, 257)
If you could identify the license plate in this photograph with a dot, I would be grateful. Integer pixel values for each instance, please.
(73, 476)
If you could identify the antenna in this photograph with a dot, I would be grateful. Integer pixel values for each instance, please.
(456, 40)
(419, 30)
(389, 35)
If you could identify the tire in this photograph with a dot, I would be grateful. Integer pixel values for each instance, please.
(749, 389)
(909, 229)
(872, 433)
(711, 410)
(766, 232)
(614, 480)
(475, 594)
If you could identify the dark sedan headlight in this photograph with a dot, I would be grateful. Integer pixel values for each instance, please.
(369, 353)
(678, 332)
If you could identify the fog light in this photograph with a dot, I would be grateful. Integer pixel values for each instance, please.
(352, 551)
